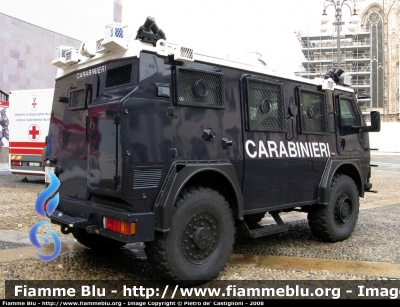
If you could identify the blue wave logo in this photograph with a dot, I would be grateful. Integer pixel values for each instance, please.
(52, 203)
(45, 195)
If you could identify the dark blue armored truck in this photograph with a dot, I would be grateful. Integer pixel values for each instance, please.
(155, 143)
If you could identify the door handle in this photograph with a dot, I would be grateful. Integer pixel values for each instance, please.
(208, 135)
(292, 128)
(226, 143)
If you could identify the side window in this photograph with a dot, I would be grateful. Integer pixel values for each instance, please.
(312, 113)
(77, 100)
(348, 113)
(265, 105)
(199, 88)
(80, 99)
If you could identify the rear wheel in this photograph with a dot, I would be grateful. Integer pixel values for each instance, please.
(94, 241)
(336, 221)
(200, 240)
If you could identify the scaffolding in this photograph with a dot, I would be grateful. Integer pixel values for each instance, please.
(321, 54)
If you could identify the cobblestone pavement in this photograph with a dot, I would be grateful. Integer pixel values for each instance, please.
(295, 255)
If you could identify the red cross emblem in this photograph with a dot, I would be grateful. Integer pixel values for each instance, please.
(34, 103)
(34, 132)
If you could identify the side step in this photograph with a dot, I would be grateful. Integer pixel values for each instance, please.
(266, 230)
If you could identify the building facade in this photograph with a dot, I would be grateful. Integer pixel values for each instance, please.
(28, 45)
(26, 53)
(369, 56)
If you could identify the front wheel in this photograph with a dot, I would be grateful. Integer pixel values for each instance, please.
(337, 220)
(200, 240)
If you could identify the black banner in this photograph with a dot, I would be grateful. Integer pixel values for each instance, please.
(137, 290)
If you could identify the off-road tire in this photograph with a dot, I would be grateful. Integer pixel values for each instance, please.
(94, 241)
(337, 220)
(199, 242)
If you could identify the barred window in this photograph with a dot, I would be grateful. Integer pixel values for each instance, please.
(265, 105)
(77, 100)
(313, 112)
(200, 88)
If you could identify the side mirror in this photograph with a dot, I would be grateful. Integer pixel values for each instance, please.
(375, 123)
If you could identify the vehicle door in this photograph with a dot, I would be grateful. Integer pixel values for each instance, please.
(266, 158)
(103, 127)
(315, 141)
(349, 120)
(67, 140)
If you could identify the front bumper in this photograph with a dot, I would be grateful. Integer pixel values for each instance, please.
(89, 216)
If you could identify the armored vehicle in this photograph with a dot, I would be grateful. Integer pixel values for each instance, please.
(154, 142)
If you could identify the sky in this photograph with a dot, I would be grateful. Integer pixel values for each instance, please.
(233, 26)
(230, 27)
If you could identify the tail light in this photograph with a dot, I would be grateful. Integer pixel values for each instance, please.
(122, 227)
(16, 163)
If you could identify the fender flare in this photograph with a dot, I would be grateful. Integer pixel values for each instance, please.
(331, 169)
(178, 176)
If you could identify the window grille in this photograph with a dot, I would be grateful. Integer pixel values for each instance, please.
(77, 100)
(265, 105)
(313, 112)
(119, 75)
(200, 88)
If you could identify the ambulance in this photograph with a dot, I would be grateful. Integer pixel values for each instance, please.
(29, 118)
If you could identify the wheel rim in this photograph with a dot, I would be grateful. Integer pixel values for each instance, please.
(343, 209)
(200, 238)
